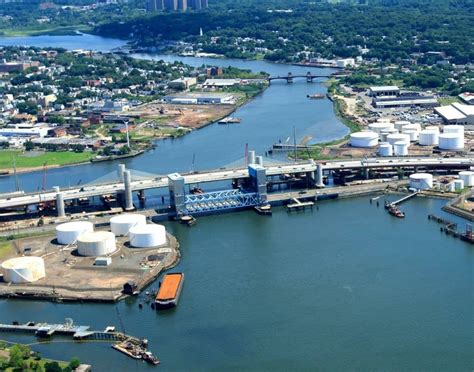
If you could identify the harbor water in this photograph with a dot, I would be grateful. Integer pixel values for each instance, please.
(344, 287)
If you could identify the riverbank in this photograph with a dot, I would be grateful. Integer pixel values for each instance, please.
(53, 31)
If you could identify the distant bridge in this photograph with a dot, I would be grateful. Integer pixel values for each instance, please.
(289, 78)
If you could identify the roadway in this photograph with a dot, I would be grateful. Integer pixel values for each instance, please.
(11, 201)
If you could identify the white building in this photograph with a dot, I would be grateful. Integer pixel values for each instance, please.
(387, 90)
(456, 113)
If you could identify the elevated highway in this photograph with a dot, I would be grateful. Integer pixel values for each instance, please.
(24, 199)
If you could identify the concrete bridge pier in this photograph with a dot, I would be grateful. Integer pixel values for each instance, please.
(127, 180)
(176, 189)
(258, 180)
(60, 208)
(289, 78)
(259, 160)
(120, 170)
(309, 77)
(366, 173)
(311, 179)
(251, 157)
(319, 176)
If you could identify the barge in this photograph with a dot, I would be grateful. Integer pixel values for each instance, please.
(229, 120)
(170, 290)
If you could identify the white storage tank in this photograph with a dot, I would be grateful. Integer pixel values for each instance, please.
(23, 270)
(467, 177)
(414, 126)
(453, 129)
(379, 127)
(147, 236)
(458, 185)
(451, 141)
(396, 137)
(451, 187)
(432, 127)
(98, 243)
(121, 225)
(385, 149)
(384, 133)
(400, 124)
(364, 139)
(383, 120)
(67, 233)
(413, 134)
(421, 181)
(400, 148)
(428, 137)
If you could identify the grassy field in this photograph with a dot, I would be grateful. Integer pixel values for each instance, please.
(38, 159)
(64, 30)
(5, 249)
(448, 100)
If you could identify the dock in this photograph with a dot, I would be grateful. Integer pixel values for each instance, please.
(451, 228)
(299, 205)
(405, 198)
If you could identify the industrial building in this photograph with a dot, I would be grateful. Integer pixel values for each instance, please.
(201, 99)
(467, 98)
(404, 100)
(175, 5)
(182, 83)
(456, 113)
(389, 90)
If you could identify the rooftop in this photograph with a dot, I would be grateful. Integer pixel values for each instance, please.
(384, 88)
(450, 113)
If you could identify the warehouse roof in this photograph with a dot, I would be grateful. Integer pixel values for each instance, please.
(450, 113)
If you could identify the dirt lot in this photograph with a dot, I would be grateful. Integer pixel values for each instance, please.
(188, 116)
(73, 277)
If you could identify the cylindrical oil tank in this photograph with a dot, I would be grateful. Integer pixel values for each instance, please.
(23, 270)
(451, 141)
(398, 137)
(411, 126)
(432, 127)
(467, 177)
(385, 149)
(428, 137)
(67, 233)
(400, 148)
(147, 236)
(364, 139)
(98, 243)
(400, 124)
(120, 225)
(421, 181)
(453, 129)
(412, 133)
(384, 134)
(451, 187)
(379, 127)
(458, 185)
(383, 120)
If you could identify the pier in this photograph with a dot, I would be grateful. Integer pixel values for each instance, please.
(451, 228)
(299, 205)
(405, 198)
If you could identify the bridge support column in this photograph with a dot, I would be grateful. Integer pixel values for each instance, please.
(251, 157)
(366, 173)
(120, 171)
(127, 183)
(311, 179)
(177, 194)
(319, 176)
(258, 180)
(60, 208)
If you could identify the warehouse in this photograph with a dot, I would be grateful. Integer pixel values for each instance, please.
(456, 113)
(405, 101)
(389, 90)
(201, 99)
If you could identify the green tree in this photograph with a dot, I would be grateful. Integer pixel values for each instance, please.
(29, 146)
(52, 367)
(74, 363)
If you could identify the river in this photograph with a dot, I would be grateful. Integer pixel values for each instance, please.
(345, 287)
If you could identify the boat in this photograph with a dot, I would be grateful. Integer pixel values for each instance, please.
(315, 96)
(170, 290)
(395, 211)
(265, 209)
(229, 120)
(188, 220)
(150, 358)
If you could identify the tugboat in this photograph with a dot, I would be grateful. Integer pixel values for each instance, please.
(188, 220)
(264, 209)
(395, 211)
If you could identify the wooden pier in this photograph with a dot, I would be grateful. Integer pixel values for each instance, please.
(299, 205)
(451, 228)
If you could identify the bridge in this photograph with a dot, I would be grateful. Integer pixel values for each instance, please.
(256, 176)
(290, 77)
